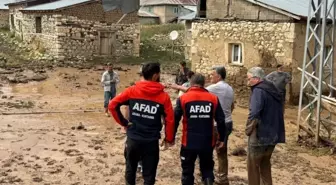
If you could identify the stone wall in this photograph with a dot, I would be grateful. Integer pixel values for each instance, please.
(263, 44)
(241, 9)
(4, 18)
(47, 39)
(15, 17)
(81, 38)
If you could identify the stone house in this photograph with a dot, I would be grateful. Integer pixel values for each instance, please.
(4, 14)
(240, 34)
(148, 18)
(168, 11)
(78, 28)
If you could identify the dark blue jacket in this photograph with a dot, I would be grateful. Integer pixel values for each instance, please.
(199, 110)
(266, 110)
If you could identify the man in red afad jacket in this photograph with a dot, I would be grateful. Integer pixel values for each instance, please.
(199, 109)
(147, 104)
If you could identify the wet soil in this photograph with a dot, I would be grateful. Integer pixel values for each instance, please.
(63, 137)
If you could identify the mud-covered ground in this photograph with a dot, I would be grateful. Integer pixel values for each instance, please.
(55, 132)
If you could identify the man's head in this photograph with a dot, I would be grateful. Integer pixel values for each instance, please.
(280, 67)
(197, 80)
(255, 75)
(183, 64)
(218, 74)
(190, 74)
(151, 71)
(109, 67)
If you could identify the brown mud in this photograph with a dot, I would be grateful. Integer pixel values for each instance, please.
(77, 144)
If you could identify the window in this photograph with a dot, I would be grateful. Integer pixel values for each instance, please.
(150, 9)
(236, 53)
(176, 10)
(38, 25)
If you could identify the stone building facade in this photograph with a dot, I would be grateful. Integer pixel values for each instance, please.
(240, 35)
(4, 21)
(82, 30)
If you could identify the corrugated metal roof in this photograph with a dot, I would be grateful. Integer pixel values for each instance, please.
(143, 13)
(168, 2)
(2, 4)
(189, 16)
(189, 7)
(55, 5)
(296, 7)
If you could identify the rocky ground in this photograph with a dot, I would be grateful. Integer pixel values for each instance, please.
(54, 132)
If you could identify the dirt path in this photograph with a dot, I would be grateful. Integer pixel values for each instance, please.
(50, 149)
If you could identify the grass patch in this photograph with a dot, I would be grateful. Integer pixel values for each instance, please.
(156, 45)
(148, 31)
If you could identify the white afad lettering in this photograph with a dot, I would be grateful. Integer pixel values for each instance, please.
(200, 108)
(145, 108)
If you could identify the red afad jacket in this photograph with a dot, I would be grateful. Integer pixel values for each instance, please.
(147, 103)
(199, 109)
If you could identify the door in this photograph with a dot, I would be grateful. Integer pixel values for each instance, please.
(107, 43)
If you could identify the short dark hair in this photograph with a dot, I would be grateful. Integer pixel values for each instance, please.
(221, 71)
(197, 79)
(190, 74)
(183, 63)
(149, 69)
(279, 65)
(109, 64)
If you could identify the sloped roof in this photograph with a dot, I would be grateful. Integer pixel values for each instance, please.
(295, 7)
(189, 16)
(56, 5)
(168, 2)
(143, 13)
(12, 2)
(3, 4)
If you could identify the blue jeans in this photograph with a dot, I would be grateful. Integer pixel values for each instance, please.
(107, 97)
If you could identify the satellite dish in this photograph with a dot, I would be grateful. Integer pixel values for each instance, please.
(173, 35)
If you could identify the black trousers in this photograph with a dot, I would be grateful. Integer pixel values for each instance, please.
(148, 153)
(188, 158)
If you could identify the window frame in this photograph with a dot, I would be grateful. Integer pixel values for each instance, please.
(36, 30)
(232, 47)
(176, 10)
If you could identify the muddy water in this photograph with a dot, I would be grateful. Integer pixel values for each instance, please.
(50, 149)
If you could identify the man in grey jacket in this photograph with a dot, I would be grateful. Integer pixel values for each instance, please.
(109, 80)
(265, 126)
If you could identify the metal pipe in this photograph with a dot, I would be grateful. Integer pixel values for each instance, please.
(304, 67)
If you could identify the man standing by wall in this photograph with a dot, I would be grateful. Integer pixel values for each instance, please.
(265, 127)
(199, 109)
(109, 80)
(147, 102)
(280, 79)
(181, 76)
(225, 94)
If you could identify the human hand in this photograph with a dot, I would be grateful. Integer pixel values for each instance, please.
(220, 145)
(174, 86)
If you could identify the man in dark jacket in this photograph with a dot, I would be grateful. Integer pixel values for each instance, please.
(147, 103)
(199, 109)
(181, 76)
(265, 126)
